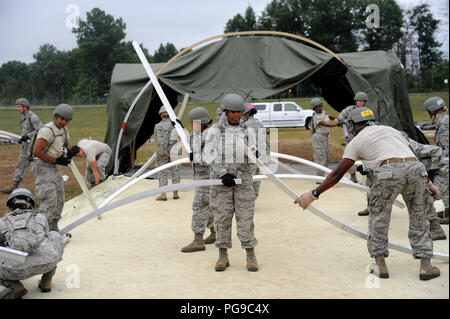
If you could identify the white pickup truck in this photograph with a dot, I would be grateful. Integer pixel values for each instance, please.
(283, 114)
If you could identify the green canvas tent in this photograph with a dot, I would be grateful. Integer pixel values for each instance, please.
(255, 67)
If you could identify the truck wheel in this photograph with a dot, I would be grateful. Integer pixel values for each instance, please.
(308, 123)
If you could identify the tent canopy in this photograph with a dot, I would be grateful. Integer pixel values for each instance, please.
(256, 68)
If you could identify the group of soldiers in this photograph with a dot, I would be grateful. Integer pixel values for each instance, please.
(395, 164)
(47, 148)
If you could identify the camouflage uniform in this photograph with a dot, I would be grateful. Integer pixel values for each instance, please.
(202, 216)
(166, 137)
(319, 139)
(43, 258)
(102, 160)
(239, 199)
(441, 135)
(410, 180)
(254, 126)
(30, 123)
(342, 118)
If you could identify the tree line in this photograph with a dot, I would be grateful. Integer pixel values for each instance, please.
(340, 25)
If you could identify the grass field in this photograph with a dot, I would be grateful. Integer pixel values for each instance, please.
(91, 121)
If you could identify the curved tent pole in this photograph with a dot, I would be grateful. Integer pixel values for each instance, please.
(124, 123)
(153, 157)
(232, 34)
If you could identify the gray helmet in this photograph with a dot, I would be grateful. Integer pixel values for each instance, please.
(361, 114)
(199, 113)
(232, 102)
(23, 101)
(247, 108)
(315, 102)
(64, 110)
(162, 110)
(20, 196)
(361, 96)
(433, 104)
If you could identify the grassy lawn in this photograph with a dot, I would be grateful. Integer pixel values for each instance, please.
(91, 121)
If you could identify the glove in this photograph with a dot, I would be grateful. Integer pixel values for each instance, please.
(434, 191)
(228, 180)
(71, 152)
(24, 138)
(191, 156)
(173, 123)
(360, 169)
(62, 161)
(305, 200)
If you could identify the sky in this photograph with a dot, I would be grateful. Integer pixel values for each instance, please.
(25, 25)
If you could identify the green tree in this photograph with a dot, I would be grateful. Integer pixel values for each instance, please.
(14, 81)
(164, 53)
(240, 23)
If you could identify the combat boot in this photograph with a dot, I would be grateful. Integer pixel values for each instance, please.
(175, 195)
(382, 267)
(17, 290)
(211, 239)
(13, 187)
(45, 284)
(437, 233)
(196, 245)
(444, 219)
(364, 212)
(427, 271)
(223, 262)
(162, 197)
(252, 263)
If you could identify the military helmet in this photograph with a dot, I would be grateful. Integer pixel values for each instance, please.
(64, 110)
(315, 102)
(20, 196)
(162, 109)
(433, 104)
(361, 114)
(23, 101)
(232, 102)
(201, 114)
(247, 108)
(361, 96)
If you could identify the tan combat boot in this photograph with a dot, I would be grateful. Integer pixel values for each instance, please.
(223, 262)
(427, 271)
(45, 284)
(13, 187)
(211, 239)
(162, 197)
(382, 267)
(437, 233)
(17, 290)
(175, 195)
(196, 245)
(252, 263)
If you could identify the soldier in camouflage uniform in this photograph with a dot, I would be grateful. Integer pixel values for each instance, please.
(258, 137)
(51, 149)
(27, 230)
(436, 108)
(29, 122)
(397, 171)
(227, 163)
(320, 128)
(360, 99)
(201, 213)
(166, 137)
(437, 167)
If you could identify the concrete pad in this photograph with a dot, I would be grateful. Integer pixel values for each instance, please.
(134, 252)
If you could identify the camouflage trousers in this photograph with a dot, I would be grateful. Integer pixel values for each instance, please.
(22, 164)
(321, 151)
(408, 179)
(164, 175)
(202, 216)
(237, 200)
(41, 260)
(49, 190)
(256, 185)
(441, 182)
(102, 160)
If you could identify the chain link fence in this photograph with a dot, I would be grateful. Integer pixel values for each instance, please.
(99, 100)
